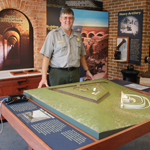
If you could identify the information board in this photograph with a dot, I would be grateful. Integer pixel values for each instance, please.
(53, 131)
(130, 25)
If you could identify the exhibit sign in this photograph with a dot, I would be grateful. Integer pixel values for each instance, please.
(53, 131)
(130, 25)
(16, 40)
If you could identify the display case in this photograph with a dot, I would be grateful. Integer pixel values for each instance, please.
(122, 49)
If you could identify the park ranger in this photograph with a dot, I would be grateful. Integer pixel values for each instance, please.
(64, 51)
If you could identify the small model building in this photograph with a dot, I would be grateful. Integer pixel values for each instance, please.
(132, 101)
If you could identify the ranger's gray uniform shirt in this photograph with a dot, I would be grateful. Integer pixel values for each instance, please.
(64, 51)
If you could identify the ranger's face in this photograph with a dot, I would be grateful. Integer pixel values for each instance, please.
(67, 21)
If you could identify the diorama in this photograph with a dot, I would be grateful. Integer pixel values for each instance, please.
(98, 107)
(92, 92)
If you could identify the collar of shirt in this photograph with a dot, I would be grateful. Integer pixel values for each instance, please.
(73, 32)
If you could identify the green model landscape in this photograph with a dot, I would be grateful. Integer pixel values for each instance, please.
(97, 119)
(93, 92)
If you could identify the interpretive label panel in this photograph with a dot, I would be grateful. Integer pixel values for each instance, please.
(53, 131)
(130, 25)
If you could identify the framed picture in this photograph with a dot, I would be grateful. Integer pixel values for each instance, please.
(122, 45)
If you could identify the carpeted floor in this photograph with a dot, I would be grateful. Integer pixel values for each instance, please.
(10, 139)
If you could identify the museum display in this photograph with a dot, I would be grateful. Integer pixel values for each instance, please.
(99, 119)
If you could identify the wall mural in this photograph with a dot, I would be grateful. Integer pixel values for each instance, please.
(93, 26)
(16, 40)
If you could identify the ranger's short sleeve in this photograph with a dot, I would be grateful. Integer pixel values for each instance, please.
(48, 46)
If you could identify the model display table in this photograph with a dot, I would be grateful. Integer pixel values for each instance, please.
(97, 119)
(105, 119)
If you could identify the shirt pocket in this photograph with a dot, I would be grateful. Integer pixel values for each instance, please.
(78, 52)
(61, 49)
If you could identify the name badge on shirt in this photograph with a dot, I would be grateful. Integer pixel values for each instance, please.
(60, 41)
(78, 39)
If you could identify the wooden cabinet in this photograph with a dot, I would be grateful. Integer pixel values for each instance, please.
(18, 85)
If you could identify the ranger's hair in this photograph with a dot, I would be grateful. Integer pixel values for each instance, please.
(66, 11)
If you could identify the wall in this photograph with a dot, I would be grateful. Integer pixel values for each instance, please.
(35, 10)
(113, 7)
